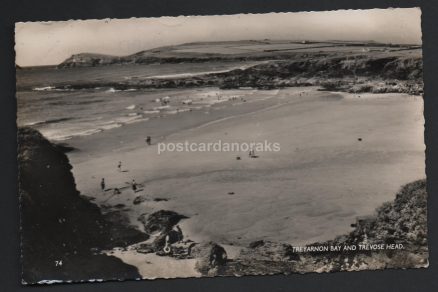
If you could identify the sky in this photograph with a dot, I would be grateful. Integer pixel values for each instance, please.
(48, 43)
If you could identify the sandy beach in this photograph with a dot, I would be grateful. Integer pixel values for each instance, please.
(342, 155)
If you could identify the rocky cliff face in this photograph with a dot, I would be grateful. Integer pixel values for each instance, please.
(63, 233)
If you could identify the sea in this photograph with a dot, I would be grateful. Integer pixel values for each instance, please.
(61, 114)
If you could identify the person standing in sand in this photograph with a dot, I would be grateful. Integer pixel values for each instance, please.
(119, 166)
(251, 153)
(134, 186)
(149, 140)
(102, 184)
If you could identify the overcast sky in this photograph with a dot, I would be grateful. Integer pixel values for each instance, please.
(44, 43)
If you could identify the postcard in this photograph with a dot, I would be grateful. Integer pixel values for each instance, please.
(225, 145)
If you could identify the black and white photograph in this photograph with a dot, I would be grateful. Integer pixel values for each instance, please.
(221, 145)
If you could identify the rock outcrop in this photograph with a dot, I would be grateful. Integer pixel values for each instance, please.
(62, 233)
(160, 221)
(169, 241)
(210, 258)
(163, 225)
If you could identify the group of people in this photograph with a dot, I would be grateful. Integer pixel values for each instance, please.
(134, 184)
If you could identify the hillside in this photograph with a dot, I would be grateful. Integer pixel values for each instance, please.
(352, 67)
(232, 51)
(62, 232)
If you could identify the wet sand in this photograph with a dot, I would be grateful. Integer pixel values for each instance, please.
(341, 157)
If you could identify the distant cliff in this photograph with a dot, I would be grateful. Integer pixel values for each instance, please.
(171, 54)
(377, 71)
(90, 60)
(245, 50)
(145, 58)
(63, 233)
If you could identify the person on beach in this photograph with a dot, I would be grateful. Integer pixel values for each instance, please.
(119, 166)
(116, 191)
(134, 185)
(251, 153)
(102, 184)
(149, 140)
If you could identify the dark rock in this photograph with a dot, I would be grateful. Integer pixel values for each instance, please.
(160, 200)
(256, 244)
(139, 200)
(160, 221)
(173, 236)
(210, 256)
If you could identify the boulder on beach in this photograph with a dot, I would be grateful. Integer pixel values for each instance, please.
(209, 256)
(160, 200)
(173, 236)
(139, 200)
